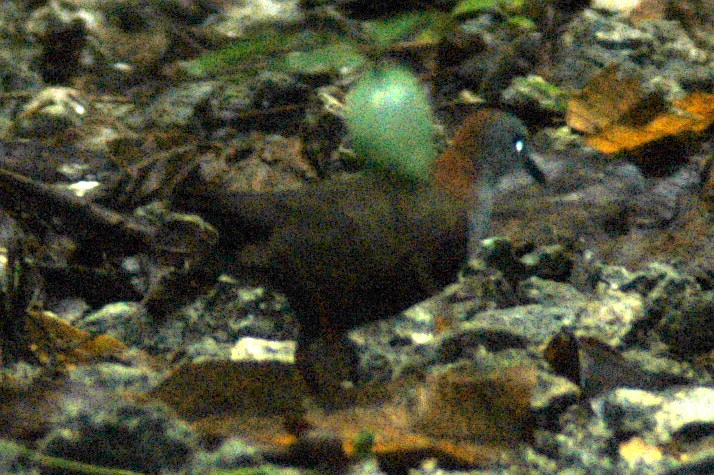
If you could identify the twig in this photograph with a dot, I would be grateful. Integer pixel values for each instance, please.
(89, 219)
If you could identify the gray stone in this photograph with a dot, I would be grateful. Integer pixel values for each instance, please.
(103, 430)
(516, 326)
(179, 107)
(689, 329)
(551, 294)
(659, 417)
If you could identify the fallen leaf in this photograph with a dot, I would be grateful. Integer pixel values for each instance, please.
(462, 405)
(459, 416)
(609, 96)
(253, 388)
(55, 338)
(597, 368)
(617, 114)
(648, 10)
(691, 115)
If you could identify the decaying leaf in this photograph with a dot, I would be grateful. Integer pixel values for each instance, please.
(56, 339)
(691, 115)
(609, 97)
(207, 388)
(596, 367)
(458, 416)
(617, 115)
(463, 405)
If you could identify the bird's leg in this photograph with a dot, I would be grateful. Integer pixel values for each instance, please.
(480, 215)
(325, 360)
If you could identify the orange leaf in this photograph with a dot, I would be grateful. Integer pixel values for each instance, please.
(693, 114)
(608, 97)
(617, 115)
(461, 417)
(71, 344)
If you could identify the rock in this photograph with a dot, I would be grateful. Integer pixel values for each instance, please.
(182, 107)
(515, 327)
(612, 316)
(551, 294)
(660, 51)
(631, 429)
(661, 417)
(549, 262)
(120, 40)
(534, 92)
(53, 111)
(669, 290)
(143, 438)
(241, 16)
(689, 329)
(135, 376)
(231, 454)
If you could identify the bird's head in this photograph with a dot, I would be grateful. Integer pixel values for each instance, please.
(489, 145)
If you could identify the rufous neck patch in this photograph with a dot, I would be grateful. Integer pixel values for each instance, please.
(457, 169)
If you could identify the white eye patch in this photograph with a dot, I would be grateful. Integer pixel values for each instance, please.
(519, 145)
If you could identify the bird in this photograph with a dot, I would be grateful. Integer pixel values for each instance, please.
(349, 251)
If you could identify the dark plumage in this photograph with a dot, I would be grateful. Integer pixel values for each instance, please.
(346, 252)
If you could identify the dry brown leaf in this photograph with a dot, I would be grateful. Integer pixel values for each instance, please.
(691, 115)
(648, 10)
(460, 417)
(463, 419)
(596, 367)
(212, 388)
(55, 338)
(617, 115)
(465, 406)
(609, 96)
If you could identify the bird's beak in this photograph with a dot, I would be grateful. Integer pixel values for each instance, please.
(533, 169)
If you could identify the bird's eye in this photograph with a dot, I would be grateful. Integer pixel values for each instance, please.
(519, 145)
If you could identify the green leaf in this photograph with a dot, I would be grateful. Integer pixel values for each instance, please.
(325, 59)
(247, 52)
(522, 23)
(429, 24)
(315, 50)
(389, 118)
(261, 470)
(468, 8)
(364, 444)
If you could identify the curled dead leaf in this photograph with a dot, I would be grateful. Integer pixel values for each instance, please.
(617, 114)
(596, 367)
(460, 417)
(56, 339)
(609, 96)
(691, 115)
